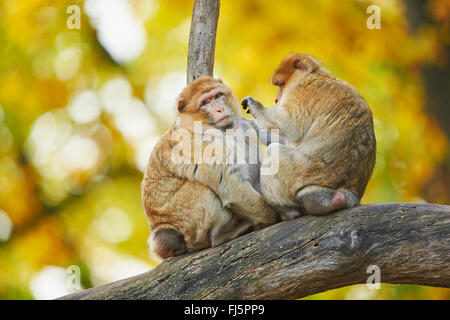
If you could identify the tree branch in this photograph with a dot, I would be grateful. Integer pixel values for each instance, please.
(202, 39)
(409, 242)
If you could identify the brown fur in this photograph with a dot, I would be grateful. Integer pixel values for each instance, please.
(330, 137)
(207, 203)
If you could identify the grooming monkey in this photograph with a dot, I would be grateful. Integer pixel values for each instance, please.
(191, 205)
(329, 151)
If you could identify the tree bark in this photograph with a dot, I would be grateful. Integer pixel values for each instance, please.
(409, 242)
(202, 39)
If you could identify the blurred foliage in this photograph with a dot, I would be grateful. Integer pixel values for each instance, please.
(81, 109)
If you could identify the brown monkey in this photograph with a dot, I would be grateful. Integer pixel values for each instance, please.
(195, 204)
(329, 150)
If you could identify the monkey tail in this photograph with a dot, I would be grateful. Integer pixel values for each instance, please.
(166, 241)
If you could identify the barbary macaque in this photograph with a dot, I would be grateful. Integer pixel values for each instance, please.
(194, 204)
(329, 146)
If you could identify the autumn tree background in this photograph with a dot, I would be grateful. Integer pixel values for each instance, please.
(81, 109)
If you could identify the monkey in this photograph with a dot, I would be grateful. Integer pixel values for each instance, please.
(329, 148)
(192, 205)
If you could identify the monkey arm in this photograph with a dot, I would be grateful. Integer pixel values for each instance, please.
(266, 137)
(240, 196)
(269, 119)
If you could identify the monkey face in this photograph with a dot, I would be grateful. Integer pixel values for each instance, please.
(215, 107)
(209, 101)
(293, 64)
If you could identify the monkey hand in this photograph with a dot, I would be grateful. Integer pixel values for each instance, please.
(251, 105)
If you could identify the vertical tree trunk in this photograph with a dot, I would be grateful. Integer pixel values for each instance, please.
(202, 39)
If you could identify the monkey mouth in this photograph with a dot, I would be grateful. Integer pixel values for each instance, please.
(225, 122)
(278, 97)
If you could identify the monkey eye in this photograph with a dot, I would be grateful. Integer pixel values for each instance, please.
(204, 103)
(279, 84)
(217, 96)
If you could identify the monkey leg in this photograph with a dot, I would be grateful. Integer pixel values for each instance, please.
(233, 189)
(274, 188)
(249, 203)
(200, 224)
(236, 227)
(237, 194)
(318, 200)
(218, 224)
(276, 195)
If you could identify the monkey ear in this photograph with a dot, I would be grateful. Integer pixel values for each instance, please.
(298, 64)
(181, 104)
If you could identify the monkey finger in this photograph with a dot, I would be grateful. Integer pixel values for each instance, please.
(245, 101)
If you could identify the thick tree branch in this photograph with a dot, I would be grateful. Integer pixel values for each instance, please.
(202, 39)
(409, 242)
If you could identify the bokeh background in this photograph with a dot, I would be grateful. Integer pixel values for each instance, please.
(80, 111)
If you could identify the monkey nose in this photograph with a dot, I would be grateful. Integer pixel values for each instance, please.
(276, 101)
